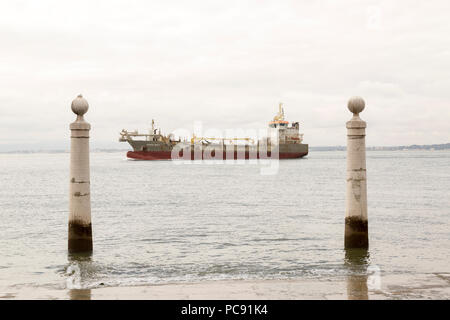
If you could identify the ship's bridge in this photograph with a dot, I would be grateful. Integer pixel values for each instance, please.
(278, 124)
(280, 128)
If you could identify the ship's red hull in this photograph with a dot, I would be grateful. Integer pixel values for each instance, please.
(167, 155)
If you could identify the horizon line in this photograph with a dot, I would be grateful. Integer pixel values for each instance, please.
(336, 147)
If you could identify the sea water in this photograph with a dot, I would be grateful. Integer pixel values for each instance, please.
(159, 222)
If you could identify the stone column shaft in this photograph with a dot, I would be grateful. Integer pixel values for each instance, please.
(356, 222)
(80, 227)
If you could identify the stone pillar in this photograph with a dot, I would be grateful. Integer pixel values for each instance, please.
(356, 226)
(80, 228)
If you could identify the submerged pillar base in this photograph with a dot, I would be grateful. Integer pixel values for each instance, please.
(356, 233)
(80, 238)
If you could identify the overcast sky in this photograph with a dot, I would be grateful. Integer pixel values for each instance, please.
(225, 63)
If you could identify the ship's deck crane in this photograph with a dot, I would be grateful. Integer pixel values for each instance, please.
(194, 139)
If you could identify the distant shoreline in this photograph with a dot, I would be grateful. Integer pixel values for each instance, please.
(414, 147)
(426, 147)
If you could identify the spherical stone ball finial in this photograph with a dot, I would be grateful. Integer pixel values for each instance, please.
(80, 105)
(356, 105)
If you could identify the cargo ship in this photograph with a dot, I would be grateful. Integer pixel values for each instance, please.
(282, 142)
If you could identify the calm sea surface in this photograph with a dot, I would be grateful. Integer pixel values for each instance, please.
(158, 222)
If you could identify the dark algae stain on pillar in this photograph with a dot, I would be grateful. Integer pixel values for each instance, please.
(80, 237)
(356, 233)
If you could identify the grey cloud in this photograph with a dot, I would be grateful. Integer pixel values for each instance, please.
(227, 64)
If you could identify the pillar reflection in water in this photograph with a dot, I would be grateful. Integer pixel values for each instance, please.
(357, 262)
(80, 294)
(76, 270)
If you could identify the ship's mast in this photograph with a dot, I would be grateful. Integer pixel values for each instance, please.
(281, 111)
(280, 115)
